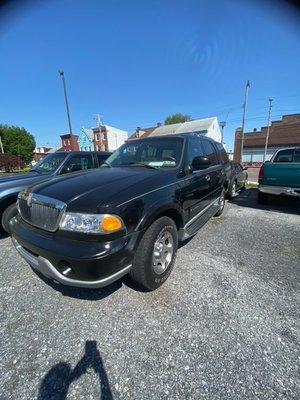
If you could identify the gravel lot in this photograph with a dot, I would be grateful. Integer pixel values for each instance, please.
(225, 325)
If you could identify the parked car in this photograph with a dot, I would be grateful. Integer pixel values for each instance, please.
(52, 165)
(237, 180)
(280, 175)
(90, 229)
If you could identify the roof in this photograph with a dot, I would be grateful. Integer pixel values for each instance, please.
(68, 135)
(198, 125)
(142, 133)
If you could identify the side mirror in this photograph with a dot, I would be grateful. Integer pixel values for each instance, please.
(71, 168)
(200, 162)
(65, 170)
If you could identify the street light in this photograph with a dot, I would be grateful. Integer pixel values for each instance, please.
(61, 73)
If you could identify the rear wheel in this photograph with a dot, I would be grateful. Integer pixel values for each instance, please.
(232, 191)
(156, 253)
(221, 204)
(262, 198)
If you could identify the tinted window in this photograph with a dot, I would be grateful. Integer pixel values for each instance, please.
(78, 162)
(238, 168)
(156, 153)
(194, 149)
(101, 158)
(50, 163)
(222, 152)
(284, 156)
(209, 152)
(297, 155)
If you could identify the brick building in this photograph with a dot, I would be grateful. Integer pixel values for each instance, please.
(283, 133)
(69, 142)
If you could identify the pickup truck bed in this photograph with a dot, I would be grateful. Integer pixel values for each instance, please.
(280, 176)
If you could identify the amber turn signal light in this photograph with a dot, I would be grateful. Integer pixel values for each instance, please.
(111, 223)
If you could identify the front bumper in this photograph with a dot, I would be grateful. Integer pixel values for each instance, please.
(82, 263)
(279, 190)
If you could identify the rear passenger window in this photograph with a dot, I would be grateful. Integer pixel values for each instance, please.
(209, 152)
(284, 156)
(223, 154)
(101, 159)
(297, 155)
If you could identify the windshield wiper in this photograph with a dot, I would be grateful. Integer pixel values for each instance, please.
(35, 170)
(139, 164)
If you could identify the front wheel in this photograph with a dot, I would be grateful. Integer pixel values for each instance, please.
(7, 215)
(156, 254)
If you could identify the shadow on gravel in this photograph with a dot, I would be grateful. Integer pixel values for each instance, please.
(3, 235)
(57, 381)
(81, 293)
(248, 198)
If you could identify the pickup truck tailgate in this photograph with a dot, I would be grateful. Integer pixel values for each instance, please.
(282, 174)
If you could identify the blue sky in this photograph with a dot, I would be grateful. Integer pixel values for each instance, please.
(135, 62)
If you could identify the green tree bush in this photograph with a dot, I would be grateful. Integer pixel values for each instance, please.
(17, 141)
(176, 118)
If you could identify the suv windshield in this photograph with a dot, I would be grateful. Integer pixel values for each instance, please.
(50, 163)
(152, 153)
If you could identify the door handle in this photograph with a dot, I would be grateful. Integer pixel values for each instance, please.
(207, 177)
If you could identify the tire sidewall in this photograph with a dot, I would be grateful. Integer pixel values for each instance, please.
(152, 280)
(8, 213)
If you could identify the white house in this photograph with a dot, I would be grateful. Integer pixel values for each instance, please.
(115, 137)
(208, 127)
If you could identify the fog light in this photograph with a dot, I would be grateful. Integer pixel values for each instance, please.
(65, 268)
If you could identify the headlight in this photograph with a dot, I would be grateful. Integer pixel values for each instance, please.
(91, 223)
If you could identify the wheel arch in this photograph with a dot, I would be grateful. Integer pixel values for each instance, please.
(169, 210)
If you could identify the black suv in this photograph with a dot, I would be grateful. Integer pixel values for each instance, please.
(89, 229)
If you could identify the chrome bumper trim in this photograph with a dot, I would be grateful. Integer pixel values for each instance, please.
(279, 190)
(44, 266)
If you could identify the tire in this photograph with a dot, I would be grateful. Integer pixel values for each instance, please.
(147, 271)
(10, 212)
(232, 191)
(262, 198)
(221, 203)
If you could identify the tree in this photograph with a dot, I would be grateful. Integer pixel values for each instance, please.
(176, 118)
(17, 141)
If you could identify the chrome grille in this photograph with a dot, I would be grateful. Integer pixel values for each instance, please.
(41, 211)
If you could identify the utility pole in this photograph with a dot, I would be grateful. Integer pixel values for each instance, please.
(1, 146)
(244, 117)
(268, 129)
(61, 73)
(222, 125)
(99, 121)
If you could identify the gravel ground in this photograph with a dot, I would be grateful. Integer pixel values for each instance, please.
(253, 174)
(224, 326)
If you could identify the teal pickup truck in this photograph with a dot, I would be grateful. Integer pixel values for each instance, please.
(280, 175)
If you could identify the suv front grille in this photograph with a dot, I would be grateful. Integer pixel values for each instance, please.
(41, 211)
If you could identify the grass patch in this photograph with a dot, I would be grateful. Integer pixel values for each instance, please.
(251, 185)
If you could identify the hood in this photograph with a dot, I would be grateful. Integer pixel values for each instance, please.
(20, 180)
(87, 191)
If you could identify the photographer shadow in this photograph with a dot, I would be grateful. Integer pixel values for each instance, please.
(56, 383)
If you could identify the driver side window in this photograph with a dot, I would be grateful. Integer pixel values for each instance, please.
(194, 149)
(78, 163)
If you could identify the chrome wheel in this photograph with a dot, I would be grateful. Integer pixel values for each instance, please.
(162, 252)
(233, 189)
(222, 201)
